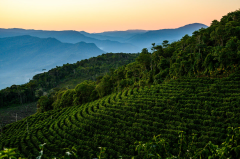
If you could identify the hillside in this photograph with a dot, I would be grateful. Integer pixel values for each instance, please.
(62, 77)
(205, 54)
(203, 106)
(191, 85)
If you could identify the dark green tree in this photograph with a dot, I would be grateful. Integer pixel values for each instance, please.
(67, 98)
(84, 92)
(144, 58)
(44, 104)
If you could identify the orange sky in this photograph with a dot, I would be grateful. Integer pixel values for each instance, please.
(108, 15)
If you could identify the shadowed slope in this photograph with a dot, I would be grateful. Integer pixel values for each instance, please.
(202, 106)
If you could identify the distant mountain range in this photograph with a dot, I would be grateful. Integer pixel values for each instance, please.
(144, 38)
(24, 53)
(27, 54)
(129, 41)
(121, 34)
(71, 36)
(158, 36)
(102, 36)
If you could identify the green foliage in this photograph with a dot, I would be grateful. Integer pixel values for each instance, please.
(165, 43)
(67, 98)
(66, 76)
(211, 52)
(84, 92)
(144, 59)
(9, 154)
(41, 152)
(196, 92)
(58, 98)
(44, 104)
(159, 148)
(105, 87)
(228, 149)
(201, 106)
(102, 153)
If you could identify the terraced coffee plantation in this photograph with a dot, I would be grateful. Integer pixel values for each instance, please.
(202, 106)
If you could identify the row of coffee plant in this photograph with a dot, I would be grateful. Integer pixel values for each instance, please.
(204, 107)
(159, 148)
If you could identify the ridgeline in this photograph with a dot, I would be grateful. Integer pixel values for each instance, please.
(189, 86)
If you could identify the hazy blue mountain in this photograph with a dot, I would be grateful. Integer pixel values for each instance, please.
(157, 36)
(71, 36)
(103, 37)
(14, 32)
(122, 34)
(129, 41)
(23, 56)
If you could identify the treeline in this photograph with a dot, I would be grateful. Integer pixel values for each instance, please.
(88, 69)
(211, 52)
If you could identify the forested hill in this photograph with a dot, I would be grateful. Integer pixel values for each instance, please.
(202, 109)
(66, 76)
(212, 52)
(187, 88)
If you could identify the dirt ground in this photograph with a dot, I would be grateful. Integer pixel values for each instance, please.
(12, 114)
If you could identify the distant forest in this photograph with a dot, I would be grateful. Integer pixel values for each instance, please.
(72, 74)
(212, 52)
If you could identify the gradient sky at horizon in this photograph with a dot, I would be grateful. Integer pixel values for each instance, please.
(109, 15)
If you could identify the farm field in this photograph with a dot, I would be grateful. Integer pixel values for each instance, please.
(201, 106)
(186, 92)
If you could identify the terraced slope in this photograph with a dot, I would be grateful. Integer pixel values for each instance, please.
(202, 106)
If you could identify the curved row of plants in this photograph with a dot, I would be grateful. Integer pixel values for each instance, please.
(66, 76)
(183, 86)
(205, 107)
(212, 52)
(159, 148)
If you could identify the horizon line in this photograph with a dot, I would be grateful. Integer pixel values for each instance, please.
(105, 31)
